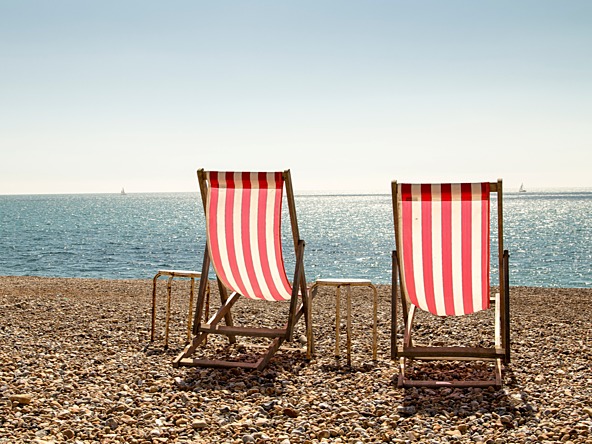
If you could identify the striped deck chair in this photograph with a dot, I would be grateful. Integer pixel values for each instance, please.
(442, 266)
(243, 223)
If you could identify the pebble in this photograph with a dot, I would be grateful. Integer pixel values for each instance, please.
(21, 399)
(102, 379)
(199, 424)
(455, 433)
(324, 434)
(290, 412)
(406, 410)
(155, 433)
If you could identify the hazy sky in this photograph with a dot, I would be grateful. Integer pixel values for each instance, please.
(347, 94)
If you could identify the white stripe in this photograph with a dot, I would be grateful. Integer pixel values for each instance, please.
(417, 246)
(437, 249)
(456, 235)
(237, 211)
(221, 180)
(476, 239)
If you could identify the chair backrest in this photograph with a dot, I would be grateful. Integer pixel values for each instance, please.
(443, 245)
(243, 224)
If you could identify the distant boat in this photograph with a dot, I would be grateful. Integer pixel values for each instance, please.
(123, 191)
(522, 189)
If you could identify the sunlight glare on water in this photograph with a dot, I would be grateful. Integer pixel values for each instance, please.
(548, 234)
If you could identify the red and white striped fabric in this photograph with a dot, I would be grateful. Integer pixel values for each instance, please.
(243, 223)
(444, 243)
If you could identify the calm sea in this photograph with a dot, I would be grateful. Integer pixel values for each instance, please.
(549, 235)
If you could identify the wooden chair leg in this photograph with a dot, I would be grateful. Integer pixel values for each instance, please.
(506, 296)
(299, 284)
(228, 315)
(394, 298)
(201, 337)
(407, 339)
(307, 310)
(201, 294)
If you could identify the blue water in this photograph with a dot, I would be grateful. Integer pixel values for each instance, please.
(549, 235)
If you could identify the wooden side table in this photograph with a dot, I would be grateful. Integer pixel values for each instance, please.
(172, 274)
(348, 283)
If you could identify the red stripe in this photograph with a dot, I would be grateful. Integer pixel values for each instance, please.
(407, 241)
(214, 182)
(466, 246)
(447, 249)
(485, 197)
(246, 238)
(426, 245)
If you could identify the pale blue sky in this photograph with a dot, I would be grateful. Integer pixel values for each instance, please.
(348, 94)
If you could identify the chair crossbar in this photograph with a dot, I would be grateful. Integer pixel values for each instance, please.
(451, 353)
(261, 332)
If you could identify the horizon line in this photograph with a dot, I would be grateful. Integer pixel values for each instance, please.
(296, 193)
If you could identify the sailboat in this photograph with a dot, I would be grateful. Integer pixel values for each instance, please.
(123, 191)
(522, 189)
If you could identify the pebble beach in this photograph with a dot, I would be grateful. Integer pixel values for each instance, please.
(77, 365)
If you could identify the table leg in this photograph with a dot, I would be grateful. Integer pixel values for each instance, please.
(153, 307)
(206, 312)
(375, 323)
(190, 317)
(337, 320)
(168, 313)
(349, 325)
(309, 332)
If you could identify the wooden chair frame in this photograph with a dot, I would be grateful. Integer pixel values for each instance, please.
(201, 330)
(499, 354)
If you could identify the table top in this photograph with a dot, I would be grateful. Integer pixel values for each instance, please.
(343, 281)
(179, 273)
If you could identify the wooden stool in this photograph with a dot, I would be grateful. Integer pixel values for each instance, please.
(348, 283)
(175, 274)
